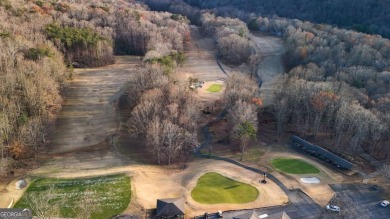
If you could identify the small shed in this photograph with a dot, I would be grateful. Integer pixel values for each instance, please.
(170, 208)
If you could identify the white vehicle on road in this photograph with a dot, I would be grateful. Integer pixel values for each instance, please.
(385, 203)
(333, 208)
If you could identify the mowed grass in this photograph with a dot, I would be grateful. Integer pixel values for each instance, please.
(213, 188)
(215, 88)
(111, 193)
(294, 166)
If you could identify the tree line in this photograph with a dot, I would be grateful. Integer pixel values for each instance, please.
(32, 73)
(230, 34)
(361, 15)
(331, 72)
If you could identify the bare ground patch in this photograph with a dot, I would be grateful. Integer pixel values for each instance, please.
(88, 115)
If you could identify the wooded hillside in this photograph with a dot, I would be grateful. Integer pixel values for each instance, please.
(368, 16)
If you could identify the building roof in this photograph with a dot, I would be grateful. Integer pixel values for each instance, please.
(248, 215)
(279, 215)
(170, 207)
(336, 159)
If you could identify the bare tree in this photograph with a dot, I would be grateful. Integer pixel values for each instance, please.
(254, 61)
(239, 87)
(45, 204)
(385, 171)
(349, 209)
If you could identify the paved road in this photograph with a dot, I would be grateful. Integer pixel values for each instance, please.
(367, 198)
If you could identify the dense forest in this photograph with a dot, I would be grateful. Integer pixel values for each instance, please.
(366, 16)
(338, 82)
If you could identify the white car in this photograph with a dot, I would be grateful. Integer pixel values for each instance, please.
(333, 208)
(385, 203)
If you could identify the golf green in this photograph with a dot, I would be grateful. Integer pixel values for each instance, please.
(294, 166)
(213, 188)
(215, 88)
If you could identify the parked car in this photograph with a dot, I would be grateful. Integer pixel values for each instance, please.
(385, 203)
(333, 208)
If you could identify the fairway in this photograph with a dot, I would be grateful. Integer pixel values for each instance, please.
(111, 193)
(294, 166)
(213, 188)
(215, 88)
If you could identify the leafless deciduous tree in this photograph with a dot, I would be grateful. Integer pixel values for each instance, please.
(46, 204)
(240, 87)
(349, 209)
(165, 112)
(385, 171)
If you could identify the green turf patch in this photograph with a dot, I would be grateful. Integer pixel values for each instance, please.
(215, 88)
(294, 166)
(213, 188)
(111, 193)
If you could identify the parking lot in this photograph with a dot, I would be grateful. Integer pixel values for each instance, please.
(300, 207)
(367, 197)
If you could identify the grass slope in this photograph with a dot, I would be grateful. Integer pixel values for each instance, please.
(294, 166)
(213, 188)
(215, 88)
(112, 193)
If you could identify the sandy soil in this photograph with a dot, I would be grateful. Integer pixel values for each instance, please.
(88, 115)
(9, 193)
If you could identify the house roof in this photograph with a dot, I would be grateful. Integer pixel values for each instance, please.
(279, 215)
(170, 207)
(249, 215)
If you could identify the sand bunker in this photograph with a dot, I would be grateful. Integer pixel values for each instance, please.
(310, 180)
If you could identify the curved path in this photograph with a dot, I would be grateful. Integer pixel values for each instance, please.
(206, 142)
(300, 204)
(272, 49)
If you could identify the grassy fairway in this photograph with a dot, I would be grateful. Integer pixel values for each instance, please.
(213, 188)
(215, 88)
(294, 166)
(112, 193)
